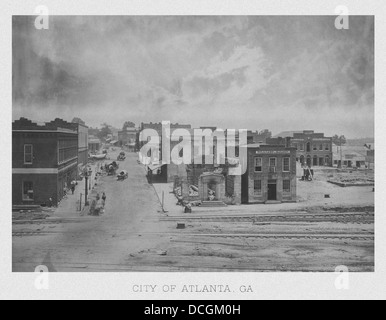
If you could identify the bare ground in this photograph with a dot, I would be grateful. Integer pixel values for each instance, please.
(315, 234)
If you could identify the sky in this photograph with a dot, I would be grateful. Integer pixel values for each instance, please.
(237, 72)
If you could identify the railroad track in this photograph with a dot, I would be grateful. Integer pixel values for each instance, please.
(342, 237)
(32, 233)
(154, 266)
(359, 218)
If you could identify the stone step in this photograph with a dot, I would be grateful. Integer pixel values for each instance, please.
(213, 204)
(272, 202)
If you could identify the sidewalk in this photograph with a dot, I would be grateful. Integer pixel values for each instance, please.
(170, 200)
(70, 204)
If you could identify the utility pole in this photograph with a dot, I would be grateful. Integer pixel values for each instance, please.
(86, 190)
(85, 173)
(341, 154)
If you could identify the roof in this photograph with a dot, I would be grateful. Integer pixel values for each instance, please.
(286, 134)
(58, 125)
(253, 145)
(153, 167)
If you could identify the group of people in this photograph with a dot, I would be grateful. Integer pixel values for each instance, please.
(103, 199)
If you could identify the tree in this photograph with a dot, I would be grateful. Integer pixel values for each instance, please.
(339, 140)
(78, 120)
(104, 132)
(128, 124)
(93, 132)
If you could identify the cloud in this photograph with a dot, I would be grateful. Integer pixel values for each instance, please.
(244, 72)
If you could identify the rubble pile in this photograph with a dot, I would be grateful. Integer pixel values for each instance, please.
(353, 178)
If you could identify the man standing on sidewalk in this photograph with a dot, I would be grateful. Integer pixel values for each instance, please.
(104, 199)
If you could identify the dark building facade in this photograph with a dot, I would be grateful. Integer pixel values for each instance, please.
(258, 136)
(94, 145)
(312, 149)
(167, 172)
(82, 144)
(128, 138)
(271, 174)
(44, 161)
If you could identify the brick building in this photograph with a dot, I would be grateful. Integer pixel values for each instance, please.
(94, 144)
(271, 174)
(128, 138)
(313, 149)
(168, 172)
(82, 144)
(44, 161)
(258, 136)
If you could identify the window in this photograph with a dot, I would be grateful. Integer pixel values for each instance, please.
(315, 147)
(272, 165)
(257, 186)
(327, 147)
(28, 193)
(302, 147)
(258, 164)
(321, 147)
(28, 154)
(286, 186)
(67, 150)
(286, 164)
(296, 146)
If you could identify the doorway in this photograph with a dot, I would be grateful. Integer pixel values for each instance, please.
(245, 188)
(272, 190)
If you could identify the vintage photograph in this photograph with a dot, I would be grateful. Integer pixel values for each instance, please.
(193, 143)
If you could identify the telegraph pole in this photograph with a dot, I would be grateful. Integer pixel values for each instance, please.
(341, 154)
(85, 173)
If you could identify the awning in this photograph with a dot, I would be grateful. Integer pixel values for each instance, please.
(114, 142)
(153, 167)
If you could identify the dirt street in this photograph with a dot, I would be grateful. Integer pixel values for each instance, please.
(134, 235)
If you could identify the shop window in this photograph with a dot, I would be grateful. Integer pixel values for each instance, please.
(286, 186)
(258, 164)
(28, 192)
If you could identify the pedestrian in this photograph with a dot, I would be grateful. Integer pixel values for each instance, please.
(104, 199)
(98, 197)
(73, 189)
